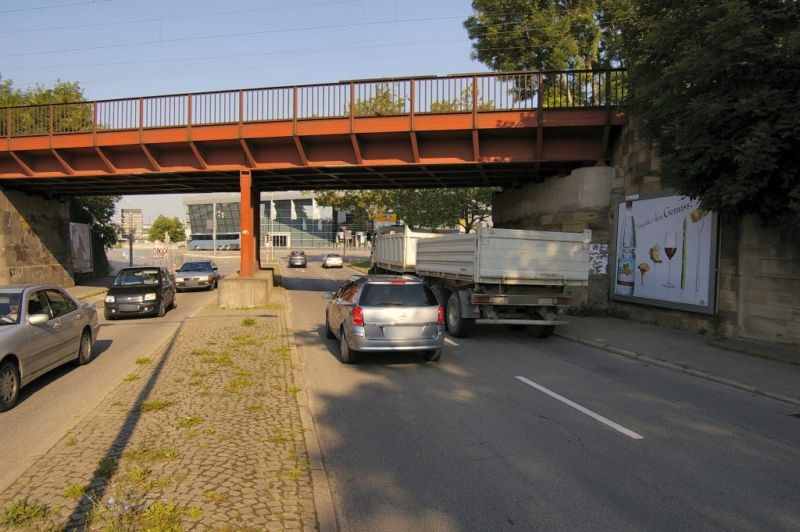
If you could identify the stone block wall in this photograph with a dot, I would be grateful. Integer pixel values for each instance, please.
(768, 282)
(34, 240)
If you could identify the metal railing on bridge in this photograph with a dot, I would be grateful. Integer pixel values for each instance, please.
(467, 93)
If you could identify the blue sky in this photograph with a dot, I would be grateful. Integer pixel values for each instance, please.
(124, 48)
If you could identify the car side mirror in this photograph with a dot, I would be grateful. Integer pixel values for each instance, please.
(38, 319)
(327, 295)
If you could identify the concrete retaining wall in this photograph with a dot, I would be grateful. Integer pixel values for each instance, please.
(34, 240)
(237, 292)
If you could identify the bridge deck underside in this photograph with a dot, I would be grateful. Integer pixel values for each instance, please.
(492, 149)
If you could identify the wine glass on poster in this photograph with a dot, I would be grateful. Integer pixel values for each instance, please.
(670, 247)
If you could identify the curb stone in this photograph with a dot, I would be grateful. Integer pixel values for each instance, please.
(642, 357)
(323, 501)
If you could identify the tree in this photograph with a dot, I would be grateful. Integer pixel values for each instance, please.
(430, 208)
(99, 210)
(551, 35)
(547, 35)
(442, 208)
(383, 103)
(714, 84)
(163, 226)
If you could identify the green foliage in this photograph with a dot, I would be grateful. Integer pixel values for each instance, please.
(99, 210)
(429, 208)
(462, 103)
(441, 208)
(23, 513)
(163, 226)
(511, 35)
(551, 35)
(714, 86)
(383, 103)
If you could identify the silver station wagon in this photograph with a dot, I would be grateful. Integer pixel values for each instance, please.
(385, 313)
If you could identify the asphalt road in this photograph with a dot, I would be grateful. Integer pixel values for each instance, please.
(509, 432)
(53, 404)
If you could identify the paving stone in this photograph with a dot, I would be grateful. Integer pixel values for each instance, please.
(224, 446)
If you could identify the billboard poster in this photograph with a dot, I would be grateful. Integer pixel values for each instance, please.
(80, 238)
(665, 252)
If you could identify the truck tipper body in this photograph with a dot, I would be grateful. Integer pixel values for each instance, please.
(494, 276)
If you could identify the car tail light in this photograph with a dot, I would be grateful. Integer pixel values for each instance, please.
(440, 319)
(358, 316)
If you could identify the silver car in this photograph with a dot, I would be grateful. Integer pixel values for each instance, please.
(385, 313)
(202, 274)
(332, 260)
(41, 328)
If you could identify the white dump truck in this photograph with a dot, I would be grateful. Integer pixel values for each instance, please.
(495, 276)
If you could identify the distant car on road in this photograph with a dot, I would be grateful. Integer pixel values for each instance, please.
(41, 328)
(385, 313)
(297, 259)
(140, 291)
(202, 274)
(332, 260)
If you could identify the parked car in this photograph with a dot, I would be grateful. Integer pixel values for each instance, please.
(196, 274)
(385, 313)
(140, 291)
(41, 328)
(332, 260)
(297, 259)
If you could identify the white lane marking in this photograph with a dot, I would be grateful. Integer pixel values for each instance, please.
(586, 411)
(450, 342)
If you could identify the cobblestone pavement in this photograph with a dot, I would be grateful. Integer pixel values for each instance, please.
(206, 435)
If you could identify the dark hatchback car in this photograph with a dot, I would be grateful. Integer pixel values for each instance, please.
(297, 259)
(140, 291)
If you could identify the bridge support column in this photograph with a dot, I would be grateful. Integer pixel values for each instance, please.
(247, 231)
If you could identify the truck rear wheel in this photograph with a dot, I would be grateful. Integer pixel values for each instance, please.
(457, 325)
(541, 331)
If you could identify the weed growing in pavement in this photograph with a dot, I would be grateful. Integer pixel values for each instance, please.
(249, 322)
(256, 408)
(154, 405)
(24, 513)
(282, 351)
(242, 340)
(126, 508)
(293, 389)
(279, 437)
(131, 377)
(138, 475)
(106, 467)
(238, 384)
(75, 491)
(207, 356)
(194, 513)
(151, 455)
(213, 496)
(71, 440)
(293, 456)
(189, 421)
(293, 473)
(142, 361)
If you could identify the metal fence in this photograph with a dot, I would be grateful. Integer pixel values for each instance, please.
(468, 93)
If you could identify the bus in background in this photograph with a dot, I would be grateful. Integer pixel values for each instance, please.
(225, 241)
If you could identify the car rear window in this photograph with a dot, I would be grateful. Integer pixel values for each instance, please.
(397, 295)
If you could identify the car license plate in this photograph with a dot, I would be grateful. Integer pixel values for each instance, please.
(397, 333)
(128, 308)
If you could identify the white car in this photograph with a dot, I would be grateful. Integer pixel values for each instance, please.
(332, 260)
(41, 328)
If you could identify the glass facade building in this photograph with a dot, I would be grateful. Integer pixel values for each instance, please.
(288, 219)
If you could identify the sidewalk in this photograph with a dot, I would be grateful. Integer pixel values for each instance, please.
(210, 431)
(771, 370)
